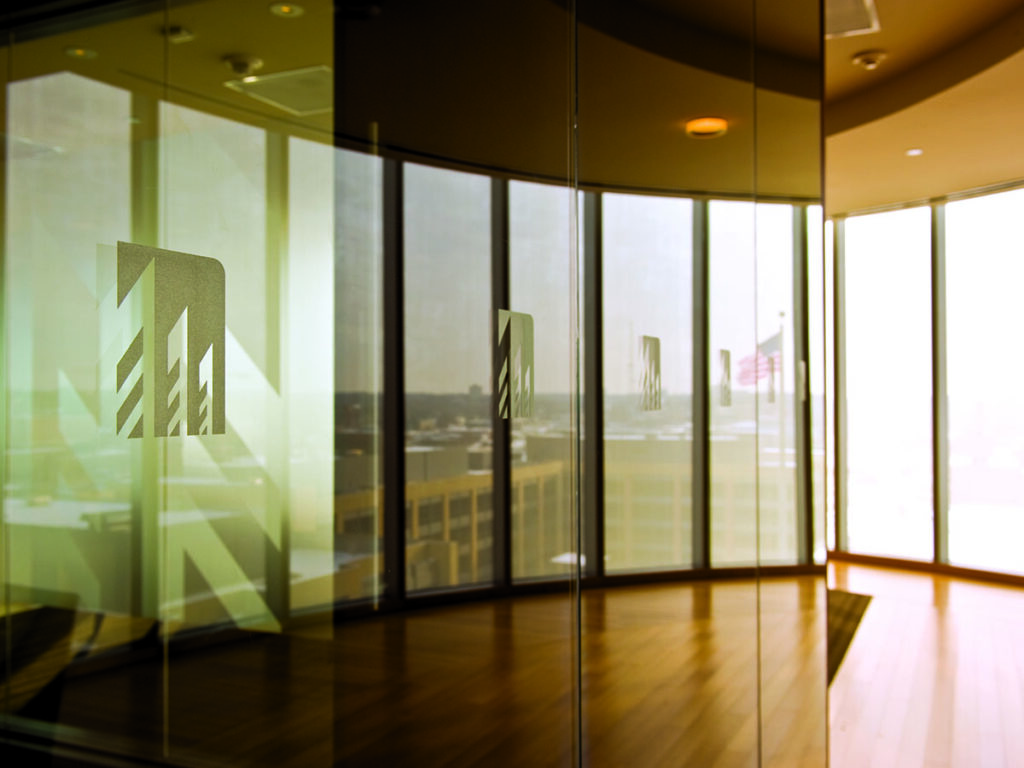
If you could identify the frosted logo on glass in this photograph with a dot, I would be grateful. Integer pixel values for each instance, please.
(515, 364)
(650, 373)
(170, 379)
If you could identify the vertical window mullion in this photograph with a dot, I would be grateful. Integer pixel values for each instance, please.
(801, 368)
(701, 485)
(501, 459)
(394, 384)
(940, 403)
(593, 390)
(839, 372)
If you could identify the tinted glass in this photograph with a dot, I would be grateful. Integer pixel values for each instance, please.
(648, 382)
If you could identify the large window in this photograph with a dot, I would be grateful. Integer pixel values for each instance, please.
(984, 272)
(922, 481)
(735, 361)
(774, 371)
(889, 383)
(648, 382)
(447, 378)
(540, 269)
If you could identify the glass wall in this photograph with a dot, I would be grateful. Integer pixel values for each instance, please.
(294, 346)
(169, 469)
(358, 368)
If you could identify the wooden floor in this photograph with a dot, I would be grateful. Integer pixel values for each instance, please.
(670, 677)
(934, 676)
(697, 674)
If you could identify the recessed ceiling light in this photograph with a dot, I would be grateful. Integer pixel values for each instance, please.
(915, 152)
(287, 10)
(80, 53)
(706, 127)
(869, 60)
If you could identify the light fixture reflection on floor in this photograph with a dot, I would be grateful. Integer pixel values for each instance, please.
(914, 152)
(706, 127)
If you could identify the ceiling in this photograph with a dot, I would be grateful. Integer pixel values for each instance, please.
(476, 92)
(488, 87)
(943, 89)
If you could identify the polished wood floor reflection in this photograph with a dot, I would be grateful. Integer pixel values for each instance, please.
(671, 677)
(934, 676)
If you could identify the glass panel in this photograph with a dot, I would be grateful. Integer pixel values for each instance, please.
(475, 676)
(358, 344)
(889, 383)
(791, 610)
(772, 373)
(256, 557)
(734, 364)
(648, 382)
(540, 272)
(697, 704)
(448, 407)
(171, 489)
(309, 365)
(984, 272)
(69, 529)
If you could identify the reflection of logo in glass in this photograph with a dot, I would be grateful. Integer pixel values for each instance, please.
(650, 373)
(515, 364)
(170, 380)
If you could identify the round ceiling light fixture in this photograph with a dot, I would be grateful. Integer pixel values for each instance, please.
(869, 60)
(914, 152)
(707, 127)
(77, 52)
(287, 10)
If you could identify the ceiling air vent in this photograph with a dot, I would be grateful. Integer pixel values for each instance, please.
(850, 17)
(301, 92)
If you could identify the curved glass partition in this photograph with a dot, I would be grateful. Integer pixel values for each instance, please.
(402, 384)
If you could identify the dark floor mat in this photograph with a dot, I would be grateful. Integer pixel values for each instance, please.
(845, 610)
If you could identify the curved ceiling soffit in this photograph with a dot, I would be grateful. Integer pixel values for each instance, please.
(667, 35)
(672, 38)
(996, 43)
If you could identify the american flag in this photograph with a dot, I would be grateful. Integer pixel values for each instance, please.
(766, 361)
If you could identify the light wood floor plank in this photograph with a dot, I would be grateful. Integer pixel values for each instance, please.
(933, 676)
